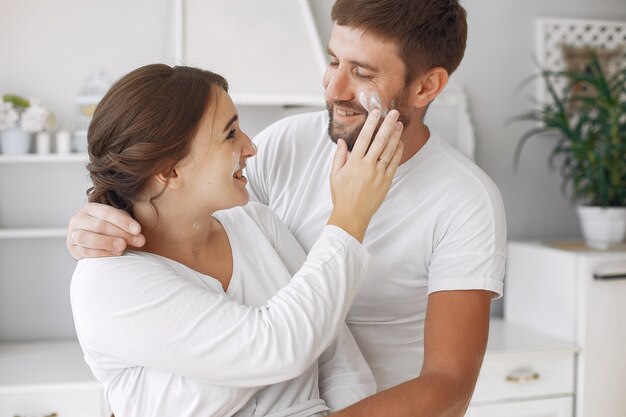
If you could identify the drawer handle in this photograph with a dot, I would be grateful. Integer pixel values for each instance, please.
(523, 376)
(47, 415)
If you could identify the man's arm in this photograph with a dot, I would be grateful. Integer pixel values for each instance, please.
(455, 339)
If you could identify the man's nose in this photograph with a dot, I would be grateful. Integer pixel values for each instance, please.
(338, 87)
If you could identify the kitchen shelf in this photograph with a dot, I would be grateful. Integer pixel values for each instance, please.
(33, 233)
(47, 158)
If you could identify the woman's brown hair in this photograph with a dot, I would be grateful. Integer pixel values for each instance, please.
(144, 124)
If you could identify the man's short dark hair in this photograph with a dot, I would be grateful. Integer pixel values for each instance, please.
(429, 33)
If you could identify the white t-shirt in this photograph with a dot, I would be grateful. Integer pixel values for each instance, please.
(441, 227)
(166, 340)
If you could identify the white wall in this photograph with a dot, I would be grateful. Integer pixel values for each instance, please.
(48, 48)
(499, 56)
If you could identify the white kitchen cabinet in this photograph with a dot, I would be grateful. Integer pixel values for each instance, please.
(577, 294)
(287, 69)
(551, 407)
(38, 195)
(39, 379)
(524, 374)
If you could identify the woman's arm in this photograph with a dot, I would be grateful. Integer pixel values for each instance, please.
(344, 375)
(131, 312)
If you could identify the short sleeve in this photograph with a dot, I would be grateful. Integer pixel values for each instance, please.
(470, 250)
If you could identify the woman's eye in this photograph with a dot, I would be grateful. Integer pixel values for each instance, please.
(334, 64)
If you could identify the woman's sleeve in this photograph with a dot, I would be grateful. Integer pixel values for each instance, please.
(344, 376)
(132, 313)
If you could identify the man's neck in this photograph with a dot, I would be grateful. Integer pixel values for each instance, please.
(414, 137)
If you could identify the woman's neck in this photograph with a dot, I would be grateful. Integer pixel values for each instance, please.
(196, 240)
(173, 231)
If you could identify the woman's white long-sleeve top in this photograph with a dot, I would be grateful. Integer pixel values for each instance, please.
(166, 340)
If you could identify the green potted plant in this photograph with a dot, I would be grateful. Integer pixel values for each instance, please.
(589, 117)
(19, 118)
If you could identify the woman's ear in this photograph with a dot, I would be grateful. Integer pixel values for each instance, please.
(428, 86)
(169, 177)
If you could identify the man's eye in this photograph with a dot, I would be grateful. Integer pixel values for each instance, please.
(231, 134)
(362, 76)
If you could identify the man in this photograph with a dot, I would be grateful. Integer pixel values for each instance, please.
(438, 241)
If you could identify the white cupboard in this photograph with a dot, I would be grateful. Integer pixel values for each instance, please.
(44, 378)
(524, 374)
(577, 294)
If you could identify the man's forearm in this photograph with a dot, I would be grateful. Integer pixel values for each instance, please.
(429, 395)
(456, 330)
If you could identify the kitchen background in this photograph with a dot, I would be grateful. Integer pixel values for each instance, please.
(49, 49)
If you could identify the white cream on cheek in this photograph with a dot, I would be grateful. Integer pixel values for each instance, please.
(370, 100)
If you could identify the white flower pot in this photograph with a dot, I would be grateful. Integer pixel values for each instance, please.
(602, 227)
(14, 141)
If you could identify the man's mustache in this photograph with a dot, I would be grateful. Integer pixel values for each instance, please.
(348, 105)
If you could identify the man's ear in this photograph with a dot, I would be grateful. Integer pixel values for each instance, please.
(428, 86)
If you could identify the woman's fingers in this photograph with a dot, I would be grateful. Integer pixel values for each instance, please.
(386, 130)
(395, 161)
(363, 140)
(392, 144)
(341, 154)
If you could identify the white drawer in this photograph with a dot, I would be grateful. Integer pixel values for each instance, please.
(525, 375)
(553, 407)
(66, 400)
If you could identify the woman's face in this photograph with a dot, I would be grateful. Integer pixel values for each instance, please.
(211, 174)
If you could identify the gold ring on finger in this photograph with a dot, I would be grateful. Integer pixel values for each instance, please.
(383, 161)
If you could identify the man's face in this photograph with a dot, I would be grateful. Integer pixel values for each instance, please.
(361, 64)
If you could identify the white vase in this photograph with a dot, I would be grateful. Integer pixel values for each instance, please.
(42, 143)
(602, 226)
(14, 141)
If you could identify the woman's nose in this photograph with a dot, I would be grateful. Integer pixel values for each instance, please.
(249, 148)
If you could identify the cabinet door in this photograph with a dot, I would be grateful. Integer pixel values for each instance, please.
(523, 375)
(65, 402)
(553, 407)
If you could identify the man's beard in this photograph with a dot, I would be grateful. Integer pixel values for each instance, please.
(350, 134)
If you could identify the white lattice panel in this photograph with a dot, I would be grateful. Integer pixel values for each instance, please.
(554, 32)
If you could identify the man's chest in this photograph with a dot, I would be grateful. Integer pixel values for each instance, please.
(400, 240)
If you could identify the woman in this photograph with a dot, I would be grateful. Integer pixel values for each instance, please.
(220, 313)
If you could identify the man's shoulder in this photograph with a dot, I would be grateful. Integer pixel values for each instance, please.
(253, 211)
(456, 171)
(286, 147)
(297, 127)
(243, 220)
(460, 186)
